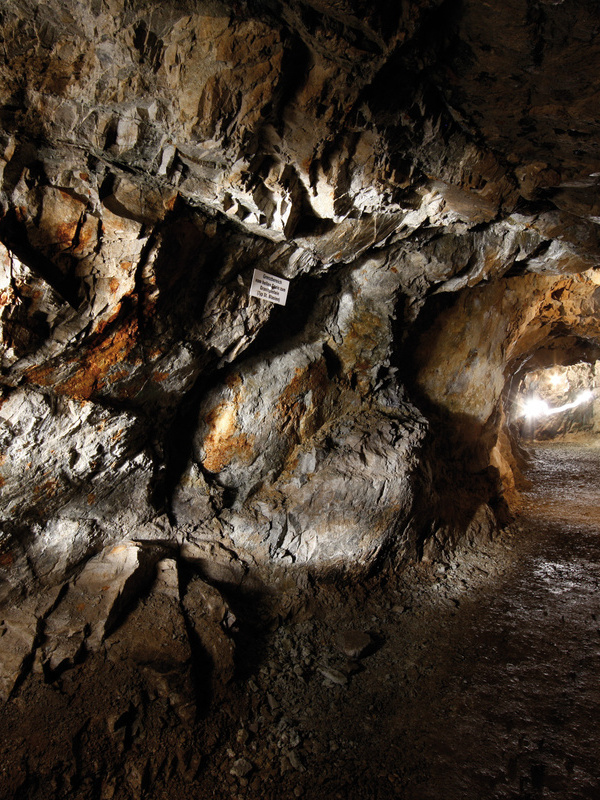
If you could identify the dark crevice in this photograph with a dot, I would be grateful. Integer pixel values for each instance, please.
(14, 238)
(295, 67)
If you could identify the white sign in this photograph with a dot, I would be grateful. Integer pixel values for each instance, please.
(269, 287)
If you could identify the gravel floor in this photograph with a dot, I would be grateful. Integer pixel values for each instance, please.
(475, 678)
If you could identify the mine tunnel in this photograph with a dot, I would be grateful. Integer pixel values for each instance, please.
(299, 399)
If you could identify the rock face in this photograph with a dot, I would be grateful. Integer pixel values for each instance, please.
(172, 449)
(129, 587)
(430, 196)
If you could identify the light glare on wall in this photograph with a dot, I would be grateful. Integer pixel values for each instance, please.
(536, 408)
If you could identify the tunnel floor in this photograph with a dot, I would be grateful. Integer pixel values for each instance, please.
(482, 681)
(520, 715)
(485, 684)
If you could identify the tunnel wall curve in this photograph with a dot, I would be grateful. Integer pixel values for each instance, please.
(469, 361)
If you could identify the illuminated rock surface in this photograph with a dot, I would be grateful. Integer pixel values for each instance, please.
(425, 175)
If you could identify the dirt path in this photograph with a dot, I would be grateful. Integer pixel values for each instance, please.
(485, 685)
(521, 717)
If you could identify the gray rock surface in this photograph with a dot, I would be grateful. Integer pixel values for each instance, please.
(151, 158)
(432, 200)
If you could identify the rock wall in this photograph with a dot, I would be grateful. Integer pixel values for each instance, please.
(152, 156)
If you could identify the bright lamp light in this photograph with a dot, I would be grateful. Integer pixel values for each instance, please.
(584, 397)
(534, 407)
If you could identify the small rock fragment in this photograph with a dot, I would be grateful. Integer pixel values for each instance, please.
(334, 676)
(354, 644)
(241, 768)
(242, 736)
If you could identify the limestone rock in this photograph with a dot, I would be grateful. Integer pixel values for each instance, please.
(153, 638)
(18, 634)
(215, 562)
(208, 615)
(415, 183)
(67, 455)
(94, 602)
(20, 628)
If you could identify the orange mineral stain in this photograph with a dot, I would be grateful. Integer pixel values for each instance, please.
(224, 441)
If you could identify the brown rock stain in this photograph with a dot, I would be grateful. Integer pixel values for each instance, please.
(87, 235)
(102, 326)
(295, 411)
(64, 233)
(117, 376)
(225, 441)
(93, 366)
(47, 489)
(359, 349)
(170, 204)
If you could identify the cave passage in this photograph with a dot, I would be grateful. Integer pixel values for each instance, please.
(556, 401)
